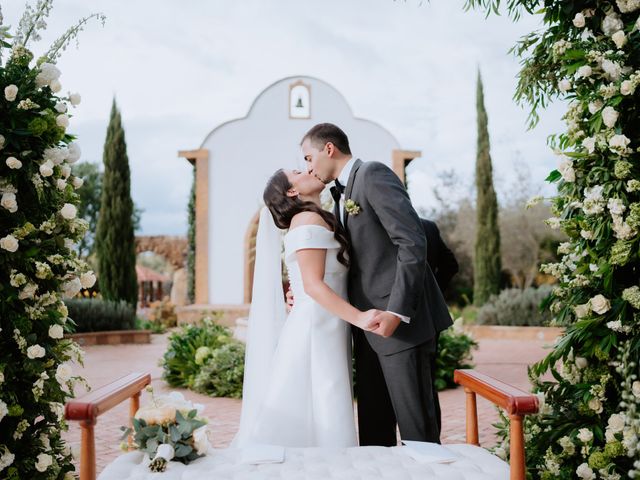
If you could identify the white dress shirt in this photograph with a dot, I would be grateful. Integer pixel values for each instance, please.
(343, 178)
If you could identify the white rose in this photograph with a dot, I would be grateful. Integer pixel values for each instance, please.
(600, 304)
(61, 184)
(564, 85)
(74, 99)
(616, 423)
(584, 72)
(44, 462)
(13, 162)
(71, 288)
(165, 451)
(63, 373)
(46, 169)
(9, 202)
(61, 107)
(619, 142)
(56, 331)
(578, 20)
(627, 88)
(612, 69)
(69, 211)
(584, 471)
(55, 86)
(635, 388)
(585, 435)
(62, 120)
(566, 170)
(65, 170)
(619, 38)
(74, 152)
(88, 279)
(77, 182)
(1, 377)
(9, 243)
(611, 24)
(595, 106)
(200, 440)
(2, 140)
(48, 73)
(3, 410)
(609, 116)
(35, 351)
(596, 405)
(581, 363)
(590, 144)
(10, 92)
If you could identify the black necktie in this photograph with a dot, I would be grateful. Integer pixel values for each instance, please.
(337, 191)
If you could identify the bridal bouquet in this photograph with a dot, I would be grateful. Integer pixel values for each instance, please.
(169, 428)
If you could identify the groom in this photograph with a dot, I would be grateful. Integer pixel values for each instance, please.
(388, 272)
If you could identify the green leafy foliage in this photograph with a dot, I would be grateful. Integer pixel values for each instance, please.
(454, 352)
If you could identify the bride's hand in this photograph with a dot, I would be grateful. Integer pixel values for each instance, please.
(368, 320)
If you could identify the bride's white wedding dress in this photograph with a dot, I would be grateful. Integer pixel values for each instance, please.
(307, 398)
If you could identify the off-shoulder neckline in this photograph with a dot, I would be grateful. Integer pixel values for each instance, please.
(310, 225)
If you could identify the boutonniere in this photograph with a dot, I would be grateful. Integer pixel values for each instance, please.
(352, 207)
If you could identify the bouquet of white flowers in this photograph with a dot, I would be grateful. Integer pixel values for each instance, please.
(169, 428)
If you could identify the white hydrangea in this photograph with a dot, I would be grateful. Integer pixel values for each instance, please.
(35, 351)
(627, 87)
(627, 6)
(6, 459)
(619, 143)
(55, 86)
(612, 69)
(71, 287)
(616, 206)
(55, 155)
(590, 144)
(566, 170)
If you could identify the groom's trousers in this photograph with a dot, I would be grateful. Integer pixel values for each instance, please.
(394, 389)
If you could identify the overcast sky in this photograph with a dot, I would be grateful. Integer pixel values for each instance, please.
(180, 68)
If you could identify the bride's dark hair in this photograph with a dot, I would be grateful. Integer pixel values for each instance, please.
(283, 208)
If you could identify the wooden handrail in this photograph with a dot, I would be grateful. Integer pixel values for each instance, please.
(88, 408)
(514, 401)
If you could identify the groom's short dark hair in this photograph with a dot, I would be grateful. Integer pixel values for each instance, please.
(322, 133)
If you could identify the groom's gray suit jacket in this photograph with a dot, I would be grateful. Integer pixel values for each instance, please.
(389, 269)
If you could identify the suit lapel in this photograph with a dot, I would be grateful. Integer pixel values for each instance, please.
(349, 188)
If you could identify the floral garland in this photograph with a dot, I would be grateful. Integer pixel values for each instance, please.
(38, 260)
(588, 386)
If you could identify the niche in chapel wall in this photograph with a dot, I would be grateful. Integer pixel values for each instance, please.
(299, 100)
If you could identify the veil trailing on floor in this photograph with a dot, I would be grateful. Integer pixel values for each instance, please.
(266, 318)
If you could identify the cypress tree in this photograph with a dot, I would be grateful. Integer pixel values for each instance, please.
(191, 238)
(115, 242)
(487, 263)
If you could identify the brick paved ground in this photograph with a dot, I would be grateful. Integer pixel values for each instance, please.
(503, 359)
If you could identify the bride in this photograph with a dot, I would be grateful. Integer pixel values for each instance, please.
(297, 385)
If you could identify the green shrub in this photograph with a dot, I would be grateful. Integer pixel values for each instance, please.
(454, 352)
(179, 361)
(144, 324)
(516, 307)
(97, 315)
(222, 373)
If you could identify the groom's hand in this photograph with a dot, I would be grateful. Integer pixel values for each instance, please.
(289, 300)
(388, 324)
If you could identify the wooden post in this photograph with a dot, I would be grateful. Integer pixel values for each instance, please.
(472, 418)
(516, 449)
(87, 451)
(134, 406)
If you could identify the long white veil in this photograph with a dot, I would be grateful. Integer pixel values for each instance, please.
(266, 318)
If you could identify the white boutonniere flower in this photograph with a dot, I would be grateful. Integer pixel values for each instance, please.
(352, 207)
